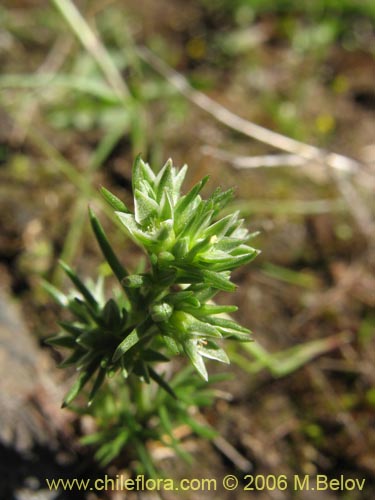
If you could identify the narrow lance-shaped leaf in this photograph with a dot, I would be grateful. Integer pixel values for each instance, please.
(72, 359)
(58, 296)
(219, 261)
(220, 199)
(197, 327)
(112, 316)
(80, 286)
(199, 247)
(209, 309)
(97, 384)
(72, 328)
(227, 324)
(213, 352)
(137, 234)
(164, 180)
(62, 341)
(126, 344)
(220, 227)
(141, 171)
(79, 384)
(217, 280)
(113, 201)
(186, 200)
(178, 180)
(160, 381)
(144, 206)
(118, 269)
(190, 348)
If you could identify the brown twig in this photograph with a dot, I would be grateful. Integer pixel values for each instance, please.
(295, 148)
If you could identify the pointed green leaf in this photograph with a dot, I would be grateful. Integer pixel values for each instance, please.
(181, 248)
(186, 200)
(217, 280)
(227, 244)
(144, 206)
(141, 370)
(213, 352)
(58, 296)
(113, 201)
(112, 316)
(135, 232)
(79, 384)
(191, 351)
(141, 171)
(77, 307)
(72, 359)
(196, 327)
(235, 335)
(199, 247)
(227, 324)
(166, 206)
(179, 179)
(147, 173)
(180, 296)
(220, 199)
(161, 382)
(72, 328)
(97, 384)
(118, 269)
(210, 309)
(164, 238)
(202, 292)
(164, 180)
(94, 338)
(197, 223)
(79, 285)
(86, 360)
(220, 227)
(171, 345)
(62, 341)
(221, 261)
(130, 341)
(137, 173)
(145, 188)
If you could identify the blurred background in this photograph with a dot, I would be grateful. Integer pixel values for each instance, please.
(208, 83)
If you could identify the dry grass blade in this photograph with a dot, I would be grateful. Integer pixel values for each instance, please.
(245, 162)
(243, 126)
(297, 149)
(93, 45)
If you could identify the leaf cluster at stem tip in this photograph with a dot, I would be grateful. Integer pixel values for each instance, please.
(167, 310)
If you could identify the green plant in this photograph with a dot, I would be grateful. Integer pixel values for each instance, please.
(157, 314)
(151, 417)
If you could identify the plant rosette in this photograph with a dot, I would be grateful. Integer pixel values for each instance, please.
(167, 310)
